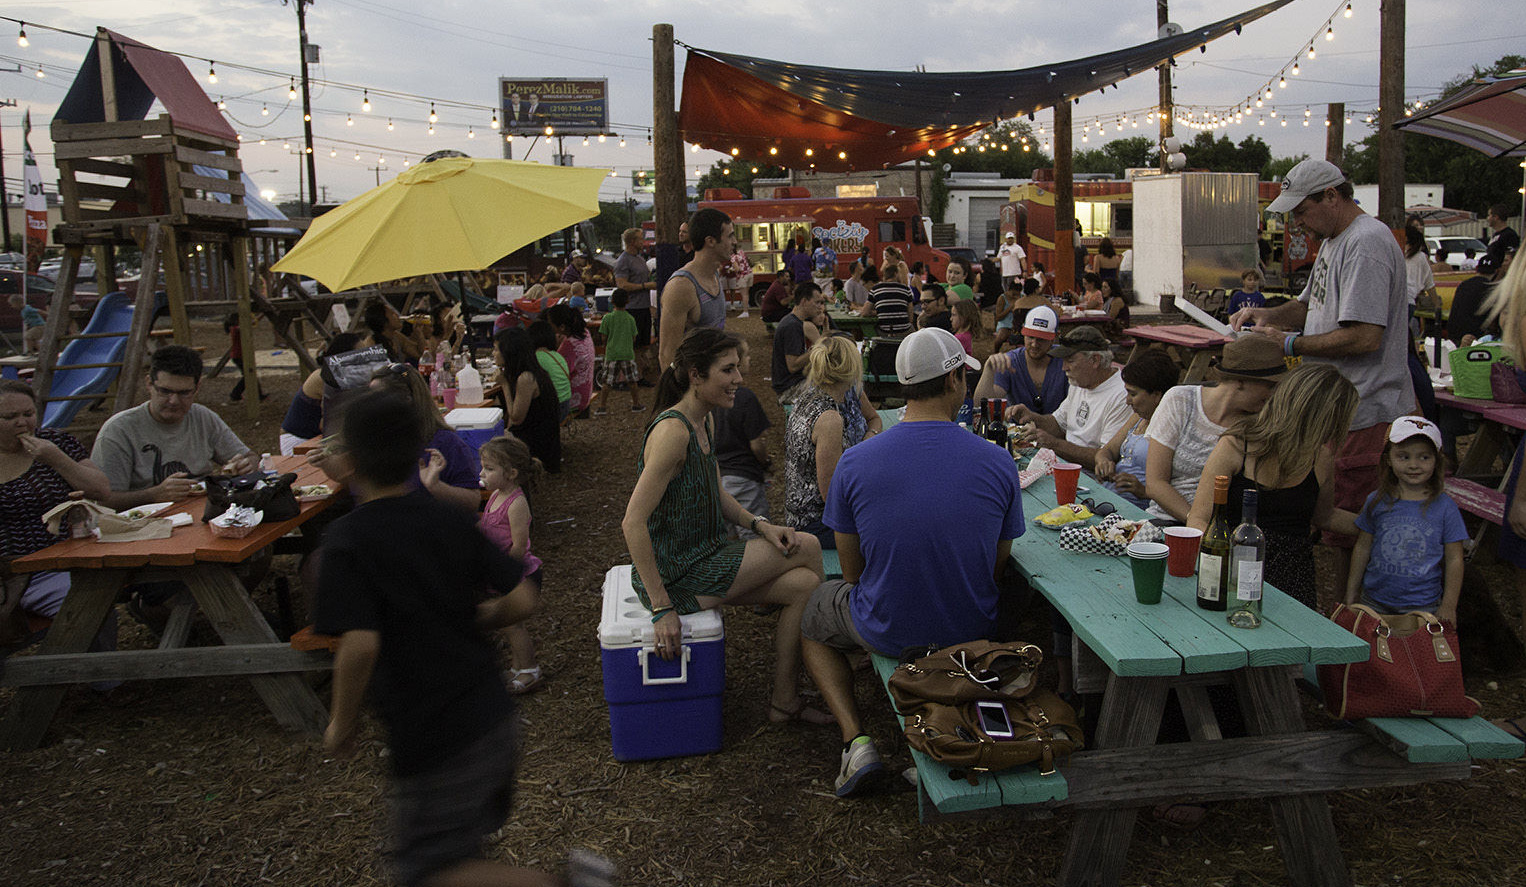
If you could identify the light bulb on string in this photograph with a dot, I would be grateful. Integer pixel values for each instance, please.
(348, 120)
(380, 160)
(1348, 10)
(307, 118)
(211, 72)
(622, 141)
(843, 155)
(694, 149)
(389, 124)
(470, 133)
(1284, 121)
(1282, 83)
(1348, 119)
(221, 105)
(407, 163)
(431, 129)
(1330, 32)
(291, 89)
(1306, 111)
(264, 110)
(433, 117)
(286, 146)
(601, 138)
(333, 152)
(41, 74)
(493, 124)
(21, 40)
(357, 155)
(549, 130)
(1295, 69)
(1311, 50)
(810, 152)
(754, 170)
(771, 151)
(365, 102)
(1268, 92)
(585, 141)
(262, 141)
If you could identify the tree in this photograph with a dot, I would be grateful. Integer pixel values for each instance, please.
(1278, 167)
(1116, 156)
(1222, 155)
(613, 218)
(1473, 179)
(999, 150)
(737, 173)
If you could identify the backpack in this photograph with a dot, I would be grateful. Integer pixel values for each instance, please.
(976, 707)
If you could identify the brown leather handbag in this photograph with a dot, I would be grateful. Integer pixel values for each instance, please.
(976, 707)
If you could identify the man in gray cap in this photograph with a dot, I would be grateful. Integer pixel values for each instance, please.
(924, 515)
(1353, 313)
(1095, 405)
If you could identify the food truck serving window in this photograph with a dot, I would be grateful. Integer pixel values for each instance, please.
(892, 231)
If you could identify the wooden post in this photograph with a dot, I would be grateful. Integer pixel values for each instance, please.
(237, 254)
(1167, 121)
(1065, 270)
(108, 76)
(142, 322)
(1391, 111)
(175, 288)
(667, 160)
(1335, 132)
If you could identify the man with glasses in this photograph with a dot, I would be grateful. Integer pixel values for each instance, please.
(922, 551)
(1353, 313)
(155, 451)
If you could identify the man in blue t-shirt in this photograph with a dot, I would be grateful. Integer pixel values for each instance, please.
(921, 550)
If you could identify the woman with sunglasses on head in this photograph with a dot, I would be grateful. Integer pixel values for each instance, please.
(531, 409)
(448, 468)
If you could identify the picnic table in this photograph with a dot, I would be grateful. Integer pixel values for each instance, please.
(1174, 646)
(861, 327)
(1190, 345)
(205, 563)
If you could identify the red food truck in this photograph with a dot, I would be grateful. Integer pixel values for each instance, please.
(849, 225)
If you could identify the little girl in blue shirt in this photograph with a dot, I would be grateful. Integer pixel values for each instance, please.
(1408, 555)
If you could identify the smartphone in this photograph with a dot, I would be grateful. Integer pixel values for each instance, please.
(993, 719)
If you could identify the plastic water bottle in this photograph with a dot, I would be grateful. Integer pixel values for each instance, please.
(469, 385)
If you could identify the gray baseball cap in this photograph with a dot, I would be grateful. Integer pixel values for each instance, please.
(1309, 177)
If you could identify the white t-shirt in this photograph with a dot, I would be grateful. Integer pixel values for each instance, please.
(1180, 423)
(1417, 274)
(1091, 416)
(1012, 257)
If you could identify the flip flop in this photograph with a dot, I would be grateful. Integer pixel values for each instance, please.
(802, 713)
(1182, 817)
(524, 680)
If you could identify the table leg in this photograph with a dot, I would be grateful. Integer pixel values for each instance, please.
(1099, 839)
(237, 621)
(1305, 829)
(1197, 370)
(92, 593)
(1488, 443)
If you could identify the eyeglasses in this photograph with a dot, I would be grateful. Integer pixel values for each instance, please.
(183, 393)
(398, 369)
(1100, 509)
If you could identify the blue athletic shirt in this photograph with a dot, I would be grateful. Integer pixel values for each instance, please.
(928, 502)
(1408, 546)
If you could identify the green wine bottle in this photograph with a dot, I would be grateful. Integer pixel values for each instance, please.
(1213, 557)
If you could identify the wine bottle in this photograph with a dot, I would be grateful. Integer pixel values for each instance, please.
(1214, 552)
(1246, 562)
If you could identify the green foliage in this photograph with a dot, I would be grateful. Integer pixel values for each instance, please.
(1473, 181)
(937, 197)
(1222, 155)
(1278, 167)
(1012, 163)
(613, 218)
(1116, 156)
(737, 174)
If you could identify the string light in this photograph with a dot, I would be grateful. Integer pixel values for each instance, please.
(1311, 50)
(810, 152)
(601, 138)
(21, 40)
(1348, 10)
(40, 72)
(1295, 69)
(585, 141)
(843, 155)
(357, 155)
(333, 152)
(622, 141)
(431, 129)
(291, 90)
(1330, 32)
(771, 151)
(549, 130)
(433, 117)
(365, 104)
(389, 124)
(1282, 83)
(221, 105)
(211, 72)
(694, 149)
(286, 145)
(264, 110)
(493, 124)
(470, 134)
(348, 120)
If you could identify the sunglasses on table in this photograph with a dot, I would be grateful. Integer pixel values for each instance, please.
(1100, 509)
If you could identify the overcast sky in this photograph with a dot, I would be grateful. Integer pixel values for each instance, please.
(455, 51)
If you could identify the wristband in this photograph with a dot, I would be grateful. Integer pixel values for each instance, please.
(1287, 344)
(753, 526)
(660, 612)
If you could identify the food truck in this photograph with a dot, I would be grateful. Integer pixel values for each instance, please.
(849, 225)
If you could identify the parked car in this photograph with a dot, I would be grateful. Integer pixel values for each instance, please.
(1458, 249)
(39, 292)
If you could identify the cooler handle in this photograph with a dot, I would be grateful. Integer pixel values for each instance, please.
(683, 668)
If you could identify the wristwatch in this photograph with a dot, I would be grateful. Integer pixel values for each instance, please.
(753, 527)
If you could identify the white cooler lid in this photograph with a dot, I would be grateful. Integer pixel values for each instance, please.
(624, 622)
(472, 418)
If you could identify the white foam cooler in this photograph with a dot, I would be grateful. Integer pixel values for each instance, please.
(476, 425)
(659, 708)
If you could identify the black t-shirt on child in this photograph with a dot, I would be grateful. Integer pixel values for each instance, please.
(414, 569)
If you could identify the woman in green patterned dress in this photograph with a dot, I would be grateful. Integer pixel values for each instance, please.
(675, 522)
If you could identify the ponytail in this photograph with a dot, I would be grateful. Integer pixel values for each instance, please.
(700, 349)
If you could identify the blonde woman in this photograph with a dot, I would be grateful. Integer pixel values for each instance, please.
(1287, 453)
(832, 415)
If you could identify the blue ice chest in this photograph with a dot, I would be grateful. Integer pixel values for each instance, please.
(476, 425)
(659, 708)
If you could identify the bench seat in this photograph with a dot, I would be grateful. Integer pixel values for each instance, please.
(947, 794)
(1477, 499)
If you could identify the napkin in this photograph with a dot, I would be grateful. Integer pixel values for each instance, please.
(1041, 465)
(110, 526)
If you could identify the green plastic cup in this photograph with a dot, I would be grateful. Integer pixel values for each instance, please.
(1147, 561)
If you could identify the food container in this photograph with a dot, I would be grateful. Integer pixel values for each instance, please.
(659, 708)
(236, 523)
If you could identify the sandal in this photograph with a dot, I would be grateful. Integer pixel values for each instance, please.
(801, 712)
(524, 680)
(1182, 817)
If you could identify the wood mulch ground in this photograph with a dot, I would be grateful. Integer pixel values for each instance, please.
(192, 782)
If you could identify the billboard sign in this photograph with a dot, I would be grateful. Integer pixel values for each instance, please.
(644, 180)
(569, 107)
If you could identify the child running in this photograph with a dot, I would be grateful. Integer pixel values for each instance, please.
(507, 469)
(1408, 555)
(619, 332)
(401, 585)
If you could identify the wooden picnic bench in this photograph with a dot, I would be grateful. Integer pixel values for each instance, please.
(1150, 651)
(1190, 345)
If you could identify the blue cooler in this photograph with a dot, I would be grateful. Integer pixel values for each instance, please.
(476, 425)
(659, 708)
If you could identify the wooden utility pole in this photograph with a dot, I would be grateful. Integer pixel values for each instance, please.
(307, 106)
(1064, 202)
(1391, 111)
(667, 161)
(1167, 124)
(1335, 132)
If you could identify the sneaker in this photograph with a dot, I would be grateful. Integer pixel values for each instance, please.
(588, 869)
(860, 767)
(638, 408)
(743, 314)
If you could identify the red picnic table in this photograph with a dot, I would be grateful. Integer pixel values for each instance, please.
(1190, 345)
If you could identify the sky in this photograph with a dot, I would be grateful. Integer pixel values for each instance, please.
(454, 51)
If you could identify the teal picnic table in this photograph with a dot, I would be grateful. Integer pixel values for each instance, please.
(1151, 651)
(861, 327)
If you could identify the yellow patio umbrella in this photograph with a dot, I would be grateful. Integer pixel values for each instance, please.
(450, 214)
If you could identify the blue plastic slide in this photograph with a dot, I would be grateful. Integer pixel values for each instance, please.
(113, 314)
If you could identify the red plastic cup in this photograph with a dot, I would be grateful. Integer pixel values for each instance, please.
(1066, 476)
(1181, 546)
(449, 396)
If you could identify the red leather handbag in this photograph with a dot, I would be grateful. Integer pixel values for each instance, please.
(1505, 382)
(1413, 669)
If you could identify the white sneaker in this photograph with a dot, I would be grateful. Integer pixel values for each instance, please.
(743, 314)
(861, 767)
